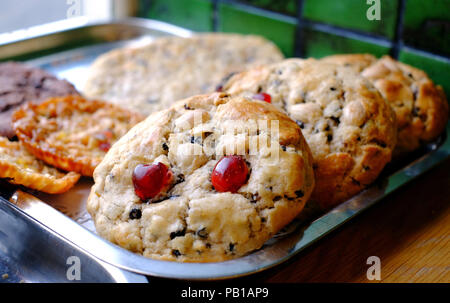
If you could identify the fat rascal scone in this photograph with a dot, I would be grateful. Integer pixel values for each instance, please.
(202, 181)
(348, 125)
(152, 77)
(420, 106)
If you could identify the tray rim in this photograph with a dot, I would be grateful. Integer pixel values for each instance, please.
(325, 224)
(118, 274)
(77, 23)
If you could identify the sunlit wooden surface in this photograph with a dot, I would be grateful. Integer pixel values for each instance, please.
(409, 231)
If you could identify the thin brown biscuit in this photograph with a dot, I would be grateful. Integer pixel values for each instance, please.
(20, 83)
(70, 132)
(20, 167)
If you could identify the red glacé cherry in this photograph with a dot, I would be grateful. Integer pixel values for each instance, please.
(229, 174)
(263, 97)
(150, 179)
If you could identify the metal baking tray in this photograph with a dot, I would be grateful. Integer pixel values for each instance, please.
(30, 252)
(65, 215)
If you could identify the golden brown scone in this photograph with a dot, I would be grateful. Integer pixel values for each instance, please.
(72, 133)
(193, 218)
(20, 167)
(420, 106)
(152, 77)
(358, 62)
(348, 125)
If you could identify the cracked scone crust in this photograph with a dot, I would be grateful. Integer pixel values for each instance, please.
(192, 222)
(348, 125)
(420, 106)
(152, 77)
(20, 167)
(72, 133)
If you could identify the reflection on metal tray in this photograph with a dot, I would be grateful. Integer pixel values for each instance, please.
(30, 252)
(79, 230)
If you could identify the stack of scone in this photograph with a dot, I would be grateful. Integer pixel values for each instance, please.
(237, 139)
(160, 191)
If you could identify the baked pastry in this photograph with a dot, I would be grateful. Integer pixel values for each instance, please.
(20, 167)
(170, 189)
(348, 125)
(357, 62)
(20, 83)
(420, 106)
(152, 77)
(72, 133)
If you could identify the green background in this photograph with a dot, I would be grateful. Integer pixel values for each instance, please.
(414, 31)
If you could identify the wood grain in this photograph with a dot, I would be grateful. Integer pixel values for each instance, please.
(409, 231)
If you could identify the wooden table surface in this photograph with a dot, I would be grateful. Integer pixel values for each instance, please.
(409, 231)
